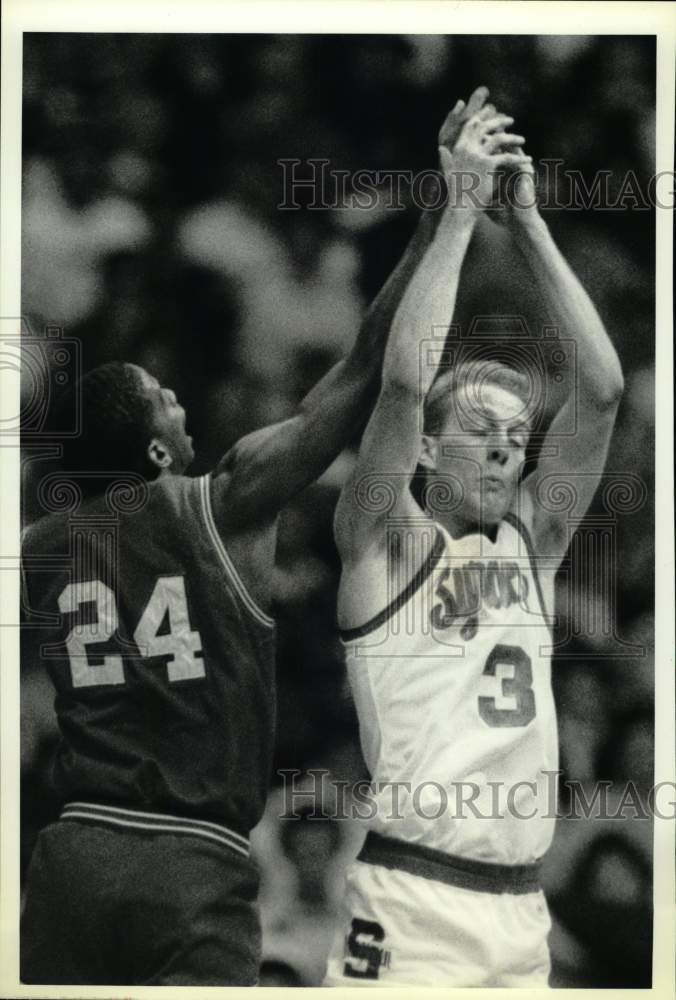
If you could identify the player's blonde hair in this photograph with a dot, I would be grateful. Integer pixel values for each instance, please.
(477, 372)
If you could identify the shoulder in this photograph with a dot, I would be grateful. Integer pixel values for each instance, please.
(376, 587)
(178, 498)
(208, 493)
(48, 533)
(208, 499)
(203, 509)
(373, 509)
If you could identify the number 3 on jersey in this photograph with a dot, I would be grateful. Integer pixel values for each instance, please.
(180, 645)
(516, 689)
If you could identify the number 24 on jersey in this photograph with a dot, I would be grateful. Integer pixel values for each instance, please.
(181, 645)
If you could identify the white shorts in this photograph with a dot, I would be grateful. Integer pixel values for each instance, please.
(400, 929)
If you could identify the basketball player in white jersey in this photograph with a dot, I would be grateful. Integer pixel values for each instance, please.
(444, 611)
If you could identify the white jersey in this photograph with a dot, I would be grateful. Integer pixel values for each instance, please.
(452, 684)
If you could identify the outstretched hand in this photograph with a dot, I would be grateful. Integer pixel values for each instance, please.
(474, 147)
(447, 138)
(456, 118)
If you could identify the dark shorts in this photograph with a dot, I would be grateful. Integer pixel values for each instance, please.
(109, 906)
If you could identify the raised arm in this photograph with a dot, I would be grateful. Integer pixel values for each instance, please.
(265, 469)
(597, 383)
(391, 444)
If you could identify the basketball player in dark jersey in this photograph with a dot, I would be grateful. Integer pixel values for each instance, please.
(148, 600)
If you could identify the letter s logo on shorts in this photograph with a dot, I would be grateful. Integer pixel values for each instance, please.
(363, 957)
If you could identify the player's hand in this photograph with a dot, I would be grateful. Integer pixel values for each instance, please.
(456, 118)
(482, 150)
(515, 202)
(448, 136)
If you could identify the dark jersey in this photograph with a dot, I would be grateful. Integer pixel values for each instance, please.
(163, 663)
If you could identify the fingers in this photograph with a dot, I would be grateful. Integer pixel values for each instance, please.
(524, 163)
(501, 141)
(478, 129)
(511, 160)
(456, 111)
(493, 124)
(445, 159)
(477, 101)
(451, 126)
(459, 115)
(488, 111)
(507, 139)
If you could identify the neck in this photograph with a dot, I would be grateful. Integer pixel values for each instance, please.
(459, 525)
(168, 470)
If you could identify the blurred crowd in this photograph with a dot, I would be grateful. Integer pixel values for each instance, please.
(152, 233)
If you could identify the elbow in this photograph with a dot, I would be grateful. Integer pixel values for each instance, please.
(612, 391)
(618, 386)
(606, 390)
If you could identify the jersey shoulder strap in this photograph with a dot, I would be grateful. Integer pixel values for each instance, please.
(524, 533)
(395, 606)
(206, 514)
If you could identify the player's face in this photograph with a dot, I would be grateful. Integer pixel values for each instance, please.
(483, 448)
(168, 422)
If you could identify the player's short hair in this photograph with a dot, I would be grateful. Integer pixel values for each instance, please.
(479, 372)
(116, 423)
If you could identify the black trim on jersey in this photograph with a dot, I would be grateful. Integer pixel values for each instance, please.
(463, 873)
(519, 526)
(348, 634)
